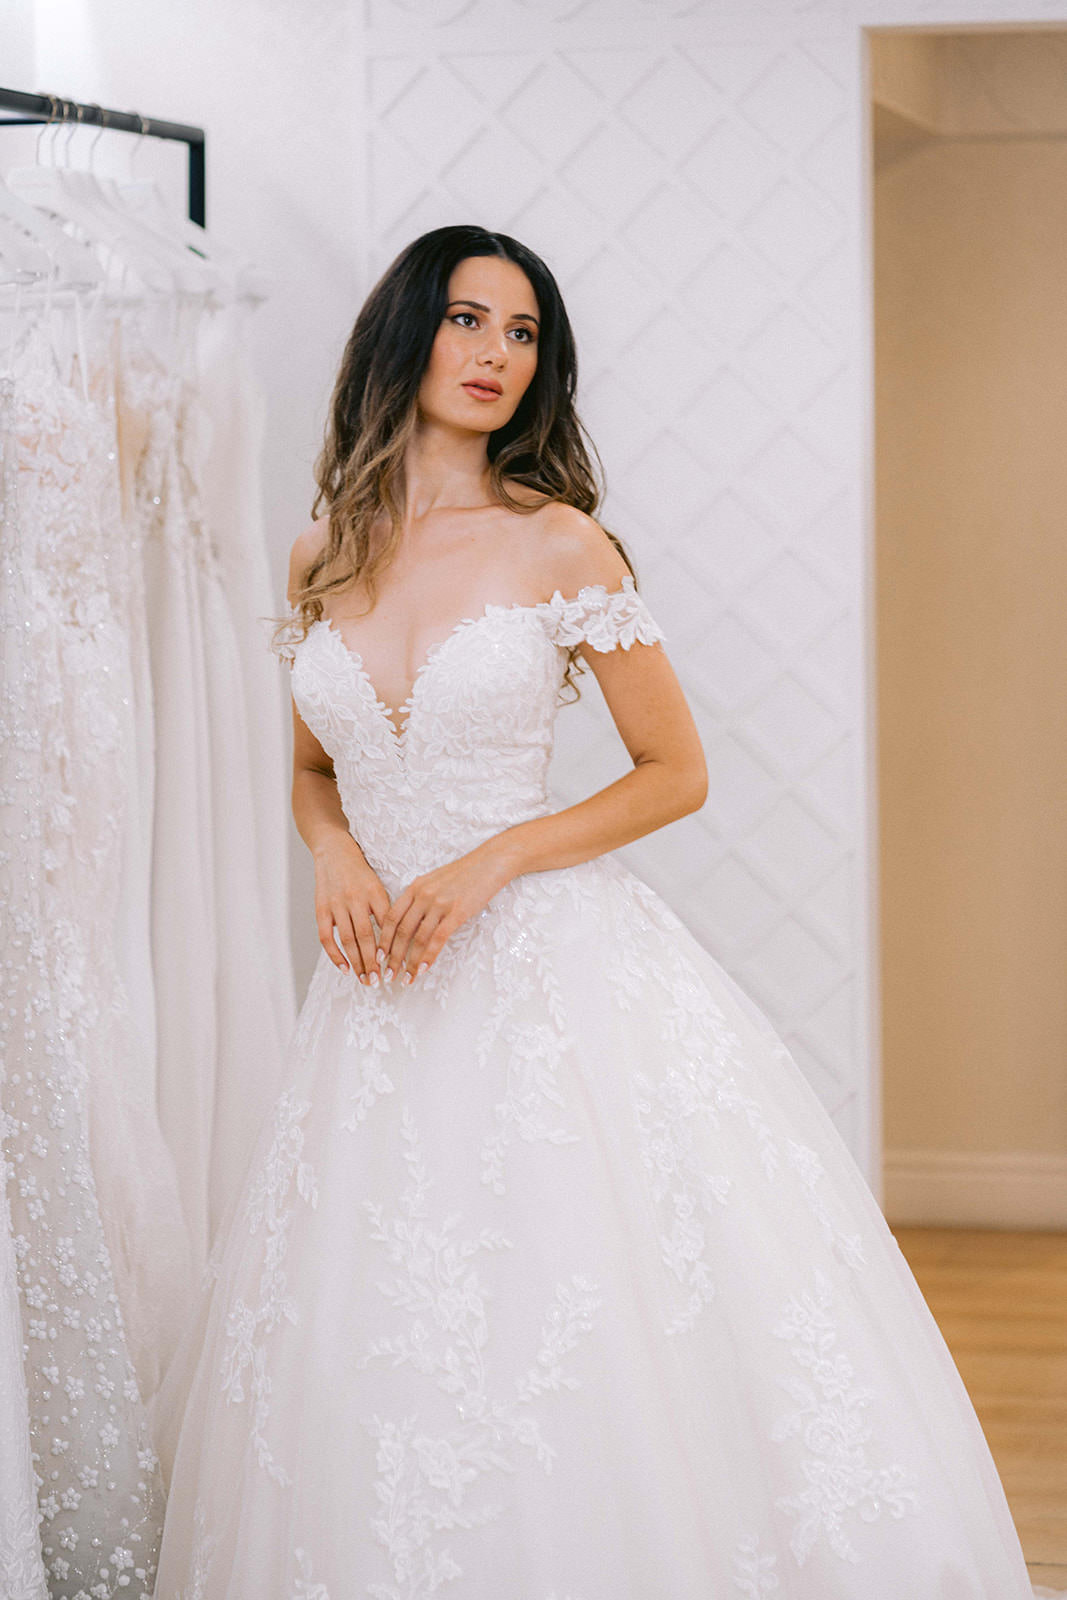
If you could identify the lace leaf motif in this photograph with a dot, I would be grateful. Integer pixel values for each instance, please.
(593, 616)
(425, 1478)
(829, 1421)
(600, 619)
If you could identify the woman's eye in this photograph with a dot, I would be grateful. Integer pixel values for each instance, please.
(467, 319)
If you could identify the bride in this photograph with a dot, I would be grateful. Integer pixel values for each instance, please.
(550, 1279)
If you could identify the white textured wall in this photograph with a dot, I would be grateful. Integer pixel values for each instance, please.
(695, 172)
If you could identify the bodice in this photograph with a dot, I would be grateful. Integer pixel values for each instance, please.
(471, 756)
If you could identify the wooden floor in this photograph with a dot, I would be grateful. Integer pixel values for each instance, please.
(1000, 1299)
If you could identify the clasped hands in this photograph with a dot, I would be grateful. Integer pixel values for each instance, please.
(412, 929)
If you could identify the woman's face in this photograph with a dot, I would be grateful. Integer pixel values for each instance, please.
(485, 352)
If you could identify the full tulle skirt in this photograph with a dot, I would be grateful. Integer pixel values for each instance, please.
(551, 1279)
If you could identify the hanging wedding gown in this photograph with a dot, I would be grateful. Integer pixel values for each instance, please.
(222, 1021)
(67, 1034)
(20, 1548)
(231, 494)
(551, 1278)
(21, 1564)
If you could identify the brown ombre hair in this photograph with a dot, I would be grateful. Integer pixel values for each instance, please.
(374, 413)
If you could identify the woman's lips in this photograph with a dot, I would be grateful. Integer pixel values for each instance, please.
(480, 392)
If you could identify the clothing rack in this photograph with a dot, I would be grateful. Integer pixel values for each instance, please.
(33, 108)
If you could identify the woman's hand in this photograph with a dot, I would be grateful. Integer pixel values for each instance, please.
(434, 905)
(348, 893)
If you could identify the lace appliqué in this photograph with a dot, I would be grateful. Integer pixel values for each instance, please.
(848, 1247)
(432, 791)
(204, 1544)
(375, 1024)
(828, 1418)
(676, 1110)
(269, 1205)
(304, 1585)
(63, 1009)
(289, 637)
(755, 1573)
(424, 1479)
(521, 966)
(600, 619)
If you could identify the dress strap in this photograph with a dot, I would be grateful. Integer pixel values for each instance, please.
(602, 619)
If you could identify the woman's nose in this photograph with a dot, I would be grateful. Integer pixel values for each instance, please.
(495, 347)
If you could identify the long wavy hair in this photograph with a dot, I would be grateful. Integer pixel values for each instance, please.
(374, 413)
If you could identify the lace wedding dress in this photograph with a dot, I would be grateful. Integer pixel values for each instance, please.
(551, 1279)
(97, 1244)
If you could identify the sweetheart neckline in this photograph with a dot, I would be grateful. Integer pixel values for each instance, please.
(406, 708)
(491, 608)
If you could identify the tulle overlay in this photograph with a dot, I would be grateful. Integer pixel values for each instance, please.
(551, 1278)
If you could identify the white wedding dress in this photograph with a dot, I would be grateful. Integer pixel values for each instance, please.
(551, 1278)
(97, 1243)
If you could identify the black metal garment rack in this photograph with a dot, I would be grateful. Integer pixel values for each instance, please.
(27, 108)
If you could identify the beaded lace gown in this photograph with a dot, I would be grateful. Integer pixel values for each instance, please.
(551, 1279)
(97, 1243)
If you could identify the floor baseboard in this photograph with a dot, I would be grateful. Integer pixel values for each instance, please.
(954, 1188)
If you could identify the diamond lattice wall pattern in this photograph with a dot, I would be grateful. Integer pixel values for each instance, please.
(694, 171)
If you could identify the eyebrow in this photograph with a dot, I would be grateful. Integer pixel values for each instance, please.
(476, 305)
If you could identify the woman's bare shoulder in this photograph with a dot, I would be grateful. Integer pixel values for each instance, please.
(576, 551)
(306, 549)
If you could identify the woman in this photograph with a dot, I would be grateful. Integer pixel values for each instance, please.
(551, 1279)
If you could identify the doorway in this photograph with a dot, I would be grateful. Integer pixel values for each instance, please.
(970, 274)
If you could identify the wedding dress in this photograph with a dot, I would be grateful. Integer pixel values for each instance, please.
(21, 1562)
(97, 1243)
(221, 1027)
(551, 1279)
(231, 492)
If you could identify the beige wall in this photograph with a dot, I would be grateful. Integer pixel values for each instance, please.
(971, 496)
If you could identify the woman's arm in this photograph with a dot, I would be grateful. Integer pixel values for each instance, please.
(669, 777)
(347, 889)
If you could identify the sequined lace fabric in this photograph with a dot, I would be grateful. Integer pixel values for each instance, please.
(99, 1493)
(550, 1278)
(140, 1052)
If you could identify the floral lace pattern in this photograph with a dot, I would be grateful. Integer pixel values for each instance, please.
(706, 1073)
(755, 1572)
(304, 1585)
(425, 1478)
(269, 1206)
(513, 1259)
(63, 1010)
(451, 739)
(828, 1416)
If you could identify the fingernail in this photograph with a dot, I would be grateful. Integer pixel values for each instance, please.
(421, 968)
(407, 977)
(374, 980)
(389, 974)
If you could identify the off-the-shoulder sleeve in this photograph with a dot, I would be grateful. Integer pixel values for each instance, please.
(288, 637)
(602, 619)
